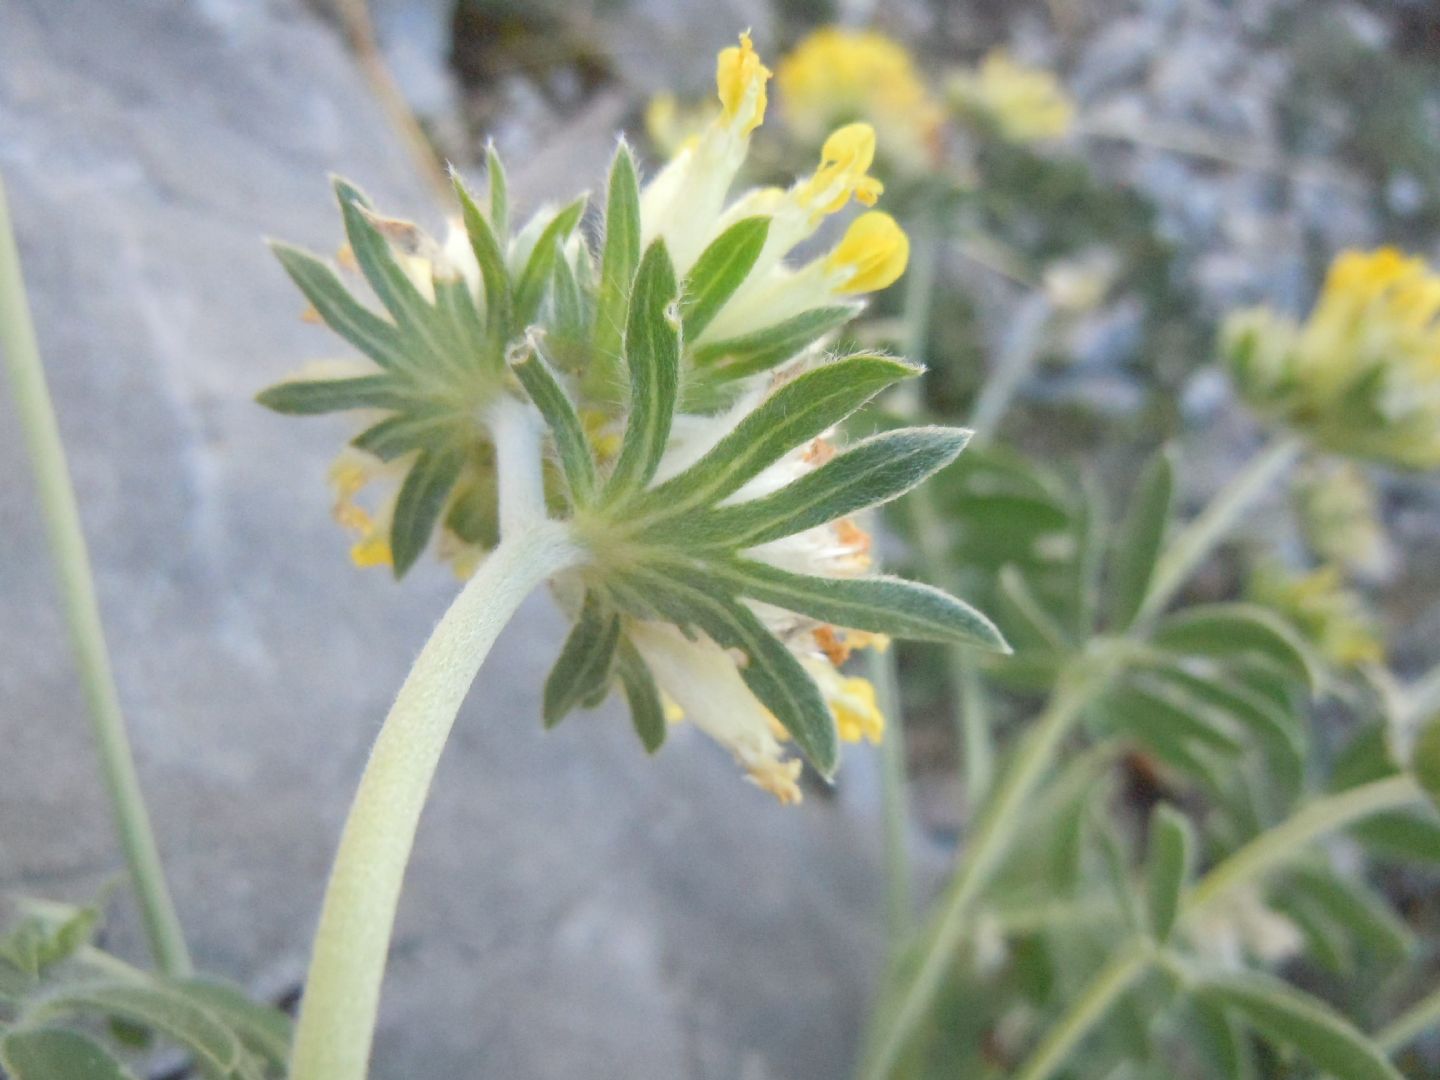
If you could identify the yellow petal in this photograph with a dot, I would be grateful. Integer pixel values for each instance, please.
(740, 80)
(872, 255)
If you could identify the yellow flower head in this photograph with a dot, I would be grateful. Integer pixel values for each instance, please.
(740, 80)
(836, 75)
(845, 161)
(1022, 103)
(1361, 376)
(872, 254)
(1332, 617)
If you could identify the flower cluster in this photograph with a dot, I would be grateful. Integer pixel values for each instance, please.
(676, 370)
(1020, 103)
(1361, 375)
(837, 75)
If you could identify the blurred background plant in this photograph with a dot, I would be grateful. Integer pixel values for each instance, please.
(1187, 817)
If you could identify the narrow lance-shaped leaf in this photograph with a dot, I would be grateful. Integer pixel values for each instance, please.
(555, 406)
(265, 1030)
(620, 256)
(309, 397)
(1285, 1015)
(57, 1054)
(530, 288)
(880, 605)
(740, 357)
(1167, 867)
(417, 508)
(586, 661)
(490, 255)
(790, 417)
(1236, 629)
(1140, 540)
(647, 712)
(872, 472)
(1022, 611)
(499, 194)
(341, 312)
(405, 432)
(652, 356)
(721, 269)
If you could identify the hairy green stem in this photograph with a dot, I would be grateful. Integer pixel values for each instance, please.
(342, 991)
(1122, 972)
(1194, 543)
(82, 610)
(1410, 1024)
(983, 855)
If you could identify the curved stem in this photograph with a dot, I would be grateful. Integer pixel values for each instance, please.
(1121, 973)
(342, 991)
(82, 610)
(1193, 544)
(1279, 845)
(985, 852)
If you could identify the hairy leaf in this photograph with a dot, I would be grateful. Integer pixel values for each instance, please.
(720, 270)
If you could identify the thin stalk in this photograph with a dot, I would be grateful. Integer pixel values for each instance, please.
(1279, 845)
(1003, 816)
(342, 991)
(1017, 358)
(1411, 1024)
(82, 610)
(898, 898)
(1193, 544)
(1121, 973)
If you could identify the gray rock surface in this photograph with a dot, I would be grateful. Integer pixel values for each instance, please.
(573, 908)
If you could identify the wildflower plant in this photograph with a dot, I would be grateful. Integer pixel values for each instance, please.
(651, 425)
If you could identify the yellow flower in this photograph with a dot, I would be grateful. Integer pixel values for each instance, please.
(1361, 376)
(1022, 103)
(740, 81)
(837, 75)
(872, 255)
(1332, 617)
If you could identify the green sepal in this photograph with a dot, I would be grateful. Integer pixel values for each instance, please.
(719, 271)
(422, 497)
(310, 397)
(619, 258)
(530, 287)
(490, 255)
(405, 432)
(647, 712)
(1141, 537)
(872, 472)
(499, 195)
(652, 354)
(797, 412)
(586, 663)
(474, 514)
(1168, 865)
(341, 312)
(58, 1054)
(749, 354)
(571, 445)
(880, 605)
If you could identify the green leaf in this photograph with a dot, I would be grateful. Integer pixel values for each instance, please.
(417, 508)
(56, 1054)
(309, 397)
(721, 269)
(555, 406)
(1168, 865)
(530, 288)
(1153, 708)
(873, 471)
(1112, 854)
(264, 1029)
(739, 357)
(652, 354)
(490, 254)
(499, 194)
(586, 661)
(620, 256)
(1425, 758)
(771, 670)
(1140, 540)
(404, 432)
(568, 303)
(349, 318)
(1023, 611)
(1238, 630)
(1220, 1039)
(41, 939)
(1288, 1017)
(1359, 909)
(881, 605)
(165, 1009)
(794, 414)
(647, 712)
(474, 514)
